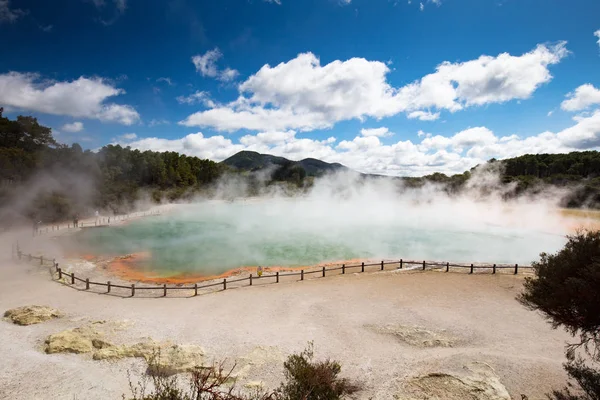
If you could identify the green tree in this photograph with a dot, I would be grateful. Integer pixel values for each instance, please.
(566, 289)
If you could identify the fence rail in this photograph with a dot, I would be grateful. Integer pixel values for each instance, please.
(100, 221)
(71, 279)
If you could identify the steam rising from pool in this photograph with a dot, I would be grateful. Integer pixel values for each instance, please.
(334, 222)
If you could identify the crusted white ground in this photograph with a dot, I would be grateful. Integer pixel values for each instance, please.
(477, 338)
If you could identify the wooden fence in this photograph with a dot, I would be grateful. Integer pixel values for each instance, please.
(100, 221)
(71, 279)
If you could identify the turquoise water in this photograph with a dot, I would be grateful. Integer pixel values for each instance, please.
(211, 238)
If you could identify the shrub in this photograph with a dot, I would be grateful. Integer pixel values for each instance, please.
(566, 289)
(313, 380)
(212, 383)
(305, 380)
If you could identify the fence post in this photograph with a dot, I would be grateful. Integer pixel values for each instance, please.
(59, 273)
(323, 272)
(447, 266)
(108, 287)
(132, 289)
(471, 269)
(250, 279)
(494, 269)
(225, 284)
(516, 269)
(343, 268)
(362, 267)
(41, 260)
(87, 283)
(302, 275)
(195, 289)
(277, 277)
(72, 278)
(164, 290)
(423, 265)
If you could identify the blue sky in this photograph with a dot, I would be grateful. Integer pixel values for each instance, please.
(383, 86)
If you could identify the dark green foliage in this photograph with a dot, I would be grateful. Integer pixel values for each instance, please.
(585, 385)
(253, 161)
(24, 133)
(46, 181)
(289, 172)
(305, 380)
(578, 171)
(313, 380)
(566, 286)
(566, 289)
(314, 167)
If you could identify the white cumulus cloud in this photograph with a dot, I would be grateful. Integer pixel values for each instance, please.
(424, 115)
(196, 98)
(83, 97)
(583, 97)
(73, 127)
(304, 95)
(206, 64)
(366, 153)
(379, 132)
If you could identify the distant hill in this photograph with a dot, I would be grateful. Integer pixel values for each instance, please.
(253, 161)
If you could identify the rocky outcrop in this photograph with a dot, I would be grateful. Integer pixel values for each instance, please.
(476, 382)
(162, 357)
(416, 336)
(29, 315)
(78, 340)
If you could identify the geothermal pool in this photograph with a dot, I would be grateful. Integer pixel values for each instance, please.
(213, 237)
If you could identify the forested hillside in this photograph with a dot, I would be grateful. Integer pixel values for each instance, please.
(531, 173)
(45, 180)
(41, 179)
(253, 161)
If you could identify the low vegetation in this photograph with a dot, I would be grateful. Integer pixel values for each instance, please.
(306, 379)
(566, 290)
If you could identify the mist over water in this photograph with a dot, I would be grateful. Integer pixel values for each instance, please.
(335, 221)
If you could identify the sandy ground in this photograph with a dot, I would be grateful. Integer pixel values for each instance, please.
(338, 313)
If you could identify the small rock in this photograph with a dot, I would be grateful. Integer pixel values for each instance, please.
(176, 359)
(30, 315)
(78, 340)
(477, 382)
(163, 358)
(254, 385)
(416, 336)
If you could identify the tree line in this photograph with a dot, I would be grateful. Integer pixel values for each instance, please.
(41, 179)
(57, 181)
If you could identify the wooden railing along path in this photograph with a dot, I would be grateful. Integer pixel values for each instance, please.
(73, 280)
(100, 221)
